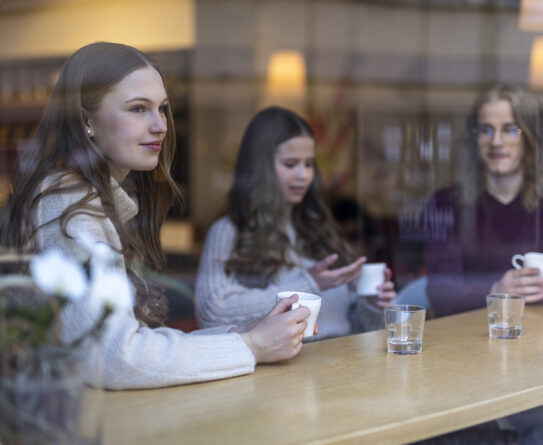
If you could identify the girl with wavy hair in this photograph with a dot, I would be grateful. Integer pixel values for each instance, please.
(495, 210)
(279, 235)
(100, 165)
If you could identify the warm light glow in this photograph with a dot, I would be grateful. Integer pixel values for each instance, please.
(58, 30)
(286, 74)
(531, 15)
(536, 64)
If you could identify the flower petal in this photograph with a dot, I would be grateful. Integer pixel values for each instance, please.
(55, 274)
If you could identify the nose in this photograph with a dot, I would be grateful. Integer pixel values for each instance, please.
(496, 137)
(302, 172)
(159, 124)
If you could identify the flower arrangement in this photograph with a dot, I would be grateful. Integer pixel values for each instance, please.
(32, 301)
(43, 397)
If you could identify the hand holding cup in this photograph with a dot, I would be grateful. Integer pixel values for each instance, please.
(310, 301)
(278, 335)
(525, 279)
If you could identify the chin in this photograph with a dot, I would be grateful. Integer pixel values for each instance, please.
(147, 167)
(293, 201)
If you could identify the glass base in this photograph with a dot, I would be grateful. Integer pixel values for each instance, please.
(403, 347)
(506, 332)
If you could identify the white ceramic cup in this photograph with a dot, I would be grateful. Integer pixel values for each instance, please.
(371, 276)
(528, 260)
(310, 301)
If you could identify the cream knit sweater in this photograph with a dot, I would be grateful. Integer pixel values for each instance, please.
(221, 299)
(136, 356)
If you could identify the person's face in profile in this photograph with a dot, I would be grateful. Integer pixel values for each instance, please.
(295, 167)
(130, 123)
(500, 139)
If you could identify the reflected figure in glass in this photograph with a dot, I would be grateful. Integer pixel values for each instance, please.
(495, 210)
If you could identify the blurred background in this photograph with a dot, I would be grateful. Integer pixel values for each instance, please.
(386, 84)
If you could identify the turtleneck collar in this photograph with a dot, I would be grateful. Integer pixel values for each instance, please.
(127, 207)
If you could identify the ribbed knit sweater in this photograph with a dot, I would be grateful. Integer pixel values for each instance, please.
(222, 299)
(136, 356)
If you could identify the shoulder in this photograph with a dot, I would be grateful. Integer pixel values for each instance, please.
(223, 228)
(58, 192)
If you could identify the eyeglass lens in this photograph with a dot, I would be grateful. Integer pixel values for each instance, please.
(509, 132)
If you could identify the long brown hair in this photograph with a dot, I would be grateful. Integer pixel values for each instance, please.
(526, 112)
(61, 145)
(257, 206)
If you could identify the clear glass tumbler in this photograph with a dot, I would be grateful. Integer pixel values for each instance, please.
(405, 326)
(505, 312)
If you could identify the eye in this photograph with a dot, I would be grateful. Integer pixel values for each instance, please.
(138, 108)
(485, 131)
(310, 163)
(289, 164)
(163, 108)
(512, 130)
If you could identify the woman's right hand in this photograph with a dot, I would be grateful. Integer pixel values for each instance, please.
(278, 335)
(524, 282)
(328, 279)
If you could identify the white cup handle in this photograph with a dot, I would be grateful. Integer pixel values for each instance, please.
(515, 261)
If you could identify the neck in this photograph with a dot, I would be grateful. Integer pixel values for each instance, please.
(504, 187)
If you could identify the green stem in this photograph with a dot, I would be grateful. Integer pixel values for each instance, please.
(94, 330)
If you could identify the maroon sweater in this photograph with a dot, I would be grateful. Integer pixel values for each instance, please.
(470, 247)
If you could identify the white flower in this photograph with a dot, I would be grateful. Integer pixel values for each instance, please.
(53, 273)
(111, 286)
(109, 283)
(100, 253)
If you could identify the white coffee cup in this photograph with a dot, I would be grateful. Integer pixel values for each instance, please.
(370, 277)
(310, 301)
(529, 259)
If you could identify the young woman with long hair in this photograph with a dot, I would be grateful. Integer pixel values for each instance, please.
(100, 164)
(495, 210)
(279, 235)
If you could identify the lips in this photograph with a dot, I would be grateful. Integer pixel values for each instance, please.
(498, 156)
(298, 190)
(153, 145)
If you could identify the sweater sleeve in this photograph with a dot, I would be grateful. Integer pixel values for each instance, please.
(452, 288)
(221, 299)
(136, 356)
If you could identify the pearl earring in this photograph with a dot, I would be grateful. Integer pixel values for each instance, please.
(89, 132)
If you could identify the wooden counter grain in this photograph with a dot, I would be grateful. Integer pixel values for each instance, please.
(348, 390)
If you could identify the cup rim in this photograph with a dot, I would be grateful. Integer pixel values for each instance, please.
(532, 253)
(405, 308)
(505, 297)
(301, 295)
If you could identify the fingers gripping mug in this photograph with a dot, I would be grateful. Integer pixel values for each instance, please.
(529, 259)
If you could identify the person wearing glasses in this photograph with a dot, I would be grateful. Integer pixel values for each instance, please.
(493, 213)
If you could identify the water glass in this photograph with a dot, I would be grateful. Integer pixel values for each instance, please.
(404, 326)
(505, 312)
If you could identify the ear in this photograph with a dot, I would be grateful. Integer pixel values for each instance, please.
(88, 124)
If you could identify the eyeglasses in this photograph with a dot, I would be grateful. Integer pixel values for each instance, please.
(508, 132)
